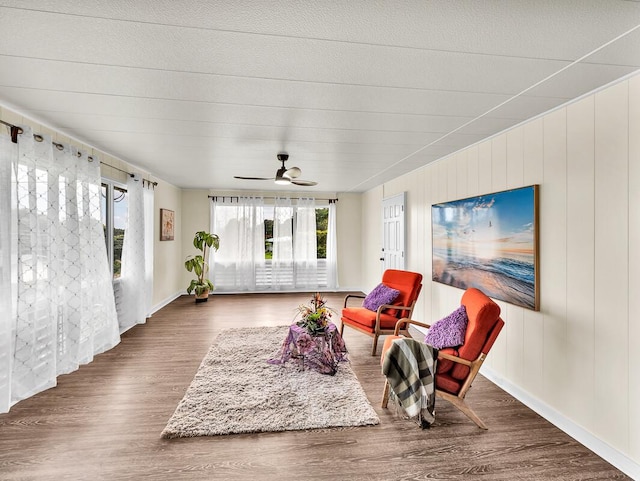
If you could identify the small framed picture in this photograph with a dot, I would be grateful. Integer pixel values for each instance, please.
(167, 224)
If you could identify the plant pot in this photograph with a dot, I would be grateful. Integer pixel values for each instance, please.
(204, 297)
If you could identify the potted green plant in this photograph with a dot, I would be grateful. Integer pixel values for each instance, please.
(203, 241)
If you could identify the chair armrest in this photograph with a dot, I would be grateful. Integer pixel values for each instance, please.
(358, 296)
(406, 320)
(459, 360)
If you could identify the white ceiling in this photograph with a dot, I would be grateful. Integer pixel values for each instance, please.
(357, 92)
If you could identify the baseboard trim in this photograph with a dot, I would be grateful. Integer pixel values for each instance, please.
(285, 291)
(577, 432)
(165, 302)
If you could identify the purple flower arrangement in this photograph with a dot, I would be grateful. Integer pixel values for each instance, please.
(315, 317)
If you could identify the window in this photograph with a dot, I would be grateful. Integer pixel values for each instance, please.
(114, 208)
(255, 231)
(322, 225)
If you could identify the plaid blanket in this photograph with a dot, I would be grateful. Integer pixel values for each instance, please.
(409, 366)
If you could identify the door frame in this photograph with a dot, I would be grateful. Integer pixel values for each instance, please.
(398, 200)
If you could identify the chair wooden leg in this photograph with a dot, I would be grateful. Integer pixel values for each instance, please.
(463, 407)
(341, 328)
(385, 394)
(375, 345)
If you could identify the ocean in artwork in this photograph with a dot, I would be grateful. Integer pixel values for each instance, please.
(488, 242)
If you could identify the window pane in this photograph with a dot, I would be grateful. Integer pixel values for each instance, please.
(120, 210)
(268, 231)
(322, 225)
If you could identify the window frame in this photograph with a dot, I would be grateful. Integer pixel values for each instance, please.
(109, 219)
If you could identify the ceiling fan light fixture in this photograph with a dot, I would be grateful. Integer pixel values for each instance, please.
(293, 172)
(284, 176)
(281, 178)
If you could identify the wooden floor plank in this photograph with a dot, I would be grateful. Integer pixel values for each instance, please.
(103, 422)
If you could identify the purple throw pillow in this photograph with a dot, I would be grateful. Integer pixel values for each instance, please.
(448, 331)
(380, 295)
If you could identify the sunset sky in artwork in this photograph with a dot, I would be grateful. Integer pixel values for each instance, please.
(487, 225)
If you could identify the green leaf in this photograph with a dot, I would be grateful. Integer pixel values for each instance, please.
(197, 264)
(201, 289)
(192, 286)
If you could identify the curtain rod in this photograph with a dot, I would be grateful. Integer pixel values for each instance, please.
(212, 197)
(129, 173)
(15, 131)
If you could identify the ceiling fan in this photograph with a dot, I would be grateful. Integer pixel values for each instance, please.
(283, 176)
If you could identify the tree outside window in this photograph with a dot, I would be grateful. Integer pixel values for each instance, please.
(322, 225)
(114, 209)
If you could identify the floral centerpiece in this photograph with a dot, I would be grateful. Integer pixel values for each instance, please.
(315, 317)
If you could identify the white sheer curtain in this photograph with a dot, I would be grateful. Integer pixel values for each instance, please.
(332, 248)
(282, 261)
(8, 158)
(305, 252)
(65, 311)
(137, 256)
(239, 222)
(240, 263)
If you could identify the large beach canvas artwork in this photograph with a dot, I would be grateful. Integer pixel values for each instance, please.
(489, 242)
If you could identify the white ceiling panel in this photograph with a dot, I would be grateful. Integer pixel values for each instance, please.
(624, 51)
(207, 132)
(580, 79)
(112, 43)
(118, 110)
(553, 29)
(524, 107)
(134, 83)
(357, 92)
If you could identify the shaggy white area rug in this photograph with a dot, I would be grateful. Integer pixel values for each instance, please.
(236, 391)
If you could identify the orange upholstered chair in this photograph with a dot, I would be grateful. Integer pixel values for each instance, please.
(456, 369)
(383, 320)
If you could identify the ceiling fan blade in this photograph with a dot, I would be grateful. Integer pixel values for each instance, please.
(283, 175)
(304, 182)
(252, 178)
(293, 172)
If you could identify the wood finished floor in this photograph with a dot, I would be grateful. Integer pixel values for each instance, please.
(103, 422)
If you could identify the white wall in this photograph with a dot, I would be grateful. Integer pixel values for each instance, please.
(349, 239)
(195, 217)
(371, 216)
(577, 356)
(168, 261)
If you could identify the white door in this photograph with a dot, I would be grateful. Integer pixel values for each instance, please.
(393, 232)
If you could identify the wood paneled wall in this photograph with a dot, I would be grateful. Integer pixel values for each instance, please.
(579, 354)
